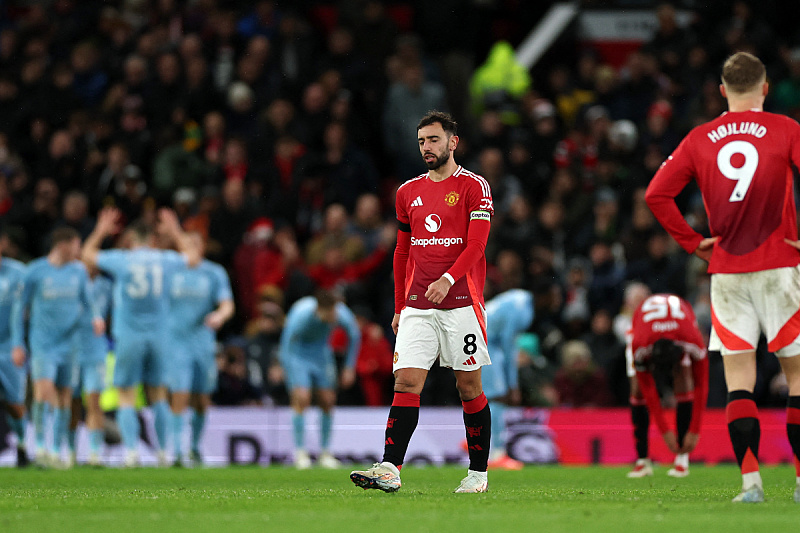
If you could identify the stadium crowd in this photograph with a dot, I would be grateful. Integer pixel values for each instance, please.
(280, 130)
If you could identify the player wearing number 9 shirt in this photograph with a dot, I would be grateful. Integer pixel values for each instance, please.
(444, 218)
(140, 316)
(742, 162)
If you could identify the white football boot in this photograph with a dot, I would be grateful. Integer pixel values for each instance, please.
(474, 482)
(383, 476)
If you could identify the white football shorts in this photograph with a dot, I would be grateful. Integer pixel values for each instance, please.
(747, 304)
(457, 337)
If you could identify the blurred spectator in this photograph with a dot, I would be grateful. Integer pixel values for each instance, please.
(787, 91)
(367, 223)
(374, 363)
(263, 333)
(535, 373)
(334, 270)
(580, 382)
(605, 290)
(407, 100)
(234, 382)
(660, 270)
(505, 187)
(606, 349)
(576, 312)
(334, 234)
(229, 222)
(633, 295)
(499, 82)
(262, 260)
(350, 171)
(517, 231)
(75, 213)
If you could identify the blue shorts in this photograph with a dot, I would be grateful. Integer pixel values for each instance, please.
(13, 379)
(140, 360)
(91, 378)
(495, 384)
(308, 373)
(62, 374)
(192, 369)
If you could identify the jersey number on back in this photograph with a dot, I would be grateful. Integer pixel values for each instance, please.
(742, 174)
(659, 307)
(145, 279)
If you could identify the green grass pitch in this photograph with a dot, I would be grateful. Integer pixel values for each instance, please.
(278, 499)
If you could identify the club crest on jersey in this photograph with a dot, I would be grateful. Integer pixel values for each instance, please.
(396, 356)
(451, 198)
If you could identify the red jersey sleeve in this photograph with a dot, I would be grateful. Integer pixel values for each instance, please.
(670, 179)
(480, 208)
(399, 263)
(401, 251)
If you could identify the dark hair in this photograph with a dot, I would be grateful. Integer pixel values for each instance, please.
(63, 234)
(326, 299)
(743, 72)
(664, 356)
(141, 230)
(431, 117)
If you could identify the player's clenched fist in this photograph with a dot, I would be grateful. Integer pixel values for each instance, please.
(438, 290)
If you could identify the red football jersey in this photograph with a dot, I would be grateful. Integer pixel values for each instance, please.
(742, 164)
(439, 214)
(666, 316)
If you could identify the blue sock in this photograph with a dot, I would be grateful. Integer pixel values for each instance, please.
(299, 426)
(129, 428)
(60, 423)
(17, 425)
(40, 414)
(71, 434)
(95, 441)
(325, 427)
(161, 414)
(198, 424)
(498, 426)
(177, 433)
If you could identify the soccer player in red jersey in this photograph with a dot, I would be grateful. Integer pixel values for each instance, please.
(742, 163)
(439, 272)
(665, 343)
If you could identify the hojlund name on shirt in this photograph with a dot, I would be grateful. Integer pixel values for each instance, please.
(737, 128)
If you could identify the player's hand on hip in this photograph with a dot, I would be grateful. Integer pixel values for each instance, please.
(395, 322)
(98, 326)
(671, 442)
(705, 248)
(689, 442)
(438, 290)
(18, 355)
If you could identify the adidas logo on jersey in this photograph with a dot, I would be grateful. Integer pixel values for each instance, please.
(470, 362)
(417, 202)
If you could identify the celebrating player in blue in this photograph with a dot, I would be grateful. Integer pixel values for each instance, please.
(201, 301)
(141, 314)
(12, 376)
(507, 315)
(91, 352)
(55, 293)
(308, 362)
